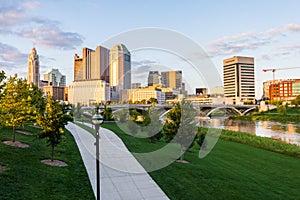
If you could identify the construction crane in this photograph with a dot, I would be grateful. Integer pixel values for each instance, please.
(274, 70)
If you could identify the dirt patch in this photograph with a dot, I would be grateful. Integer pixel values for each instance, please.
(2, 168)
(183, 161)
(57, 163)
(23, 132)
(16, 144)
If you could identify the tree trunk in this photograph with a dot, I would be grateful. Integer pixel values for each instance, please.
(14, 133)
(181, 153)
(52, 154)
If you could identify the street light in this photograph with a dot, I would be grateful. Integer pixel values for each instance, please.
(97, 120)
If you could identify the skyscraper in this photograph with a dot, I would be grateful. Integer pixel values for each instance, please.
(119, 68)
(33, 75)
(171, 79)
(94, 64)
(239, 84)
(154, 78)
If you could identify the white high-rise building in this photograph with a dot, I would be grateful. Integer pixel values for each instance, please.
(33, 74)
(119, 68)
(239, 83)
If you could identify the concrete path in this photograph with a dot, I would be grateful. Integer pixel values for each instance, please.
(122, 177)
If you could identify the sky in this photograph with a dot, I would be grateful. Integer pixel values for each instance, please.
(267, 30)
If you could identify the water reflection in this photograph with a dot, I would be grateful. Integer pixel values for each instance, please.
(288, 132)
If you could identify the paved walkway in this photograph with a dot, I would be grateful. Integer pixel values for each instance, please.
(122, 177)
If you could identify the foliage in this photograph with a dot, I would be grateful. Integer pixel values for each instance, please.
(52, 123)
(77, 112)
(201, 133)
(261, 142)
(152, 125)
(16, 104)
(26, 177)
(282, 109)
(180, 125)
(236, 163)
(292, 115)
(107, 113)
(172, 124)
(152, 101)
(296, 101)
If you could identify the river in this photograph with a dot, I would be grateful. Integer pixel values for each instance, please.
(288, 132)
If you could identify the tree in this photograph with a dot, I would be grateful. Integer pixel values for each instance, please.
(153, 126)
(52, 123)
(16, 106)
(180, 126)
(172, 124)
(152, 101)
(296, 101)
(107, 113)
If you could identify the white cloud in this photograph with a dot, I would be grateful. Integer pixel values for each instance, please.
(235, 44)
(292, 27)
(50, 35)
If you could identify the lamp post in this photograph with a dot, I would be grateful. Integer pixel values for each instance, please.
(97, 120)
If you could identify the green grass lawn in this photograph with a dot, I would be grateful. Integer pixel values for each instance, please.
(230, 171)
(26, 177)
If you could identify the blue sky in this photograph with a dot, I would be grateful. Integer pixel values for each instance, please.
(267, 30)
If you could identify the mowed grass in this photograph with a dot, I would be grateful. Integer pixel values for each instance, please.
(230, 171)
(25, 177)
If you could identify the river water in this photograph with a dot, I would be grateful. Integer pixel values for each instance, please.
(288, 132)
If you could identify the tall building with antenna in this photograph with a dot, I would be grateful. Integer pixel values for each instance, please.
(33, 75)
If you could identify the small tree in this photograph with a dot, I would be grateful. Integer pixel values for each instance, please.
(181, 126)
(107, 113)
(153, 127)
(16, 107)
(172, 124)
(52, 123)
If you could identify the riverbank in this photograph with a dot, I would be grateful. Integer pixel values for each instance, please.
(291, 115)
(230, 171)
(26, 177)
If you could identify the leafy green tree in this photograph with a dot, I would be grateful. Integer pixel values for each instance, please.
(172, 124)
(180, 126)
(16, 106)
(52, 123)
(107, 113)
(153, 126)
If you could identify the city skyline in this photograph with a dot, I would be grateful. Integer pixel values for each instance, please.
(269, 33)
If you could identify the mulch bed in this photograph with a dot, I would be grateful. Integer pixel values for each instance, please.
(57, 163)
(183, 161)
(23, 132)
(16, 144)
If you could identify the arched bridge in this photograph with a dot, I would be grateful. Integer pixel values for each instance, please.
(205, 110)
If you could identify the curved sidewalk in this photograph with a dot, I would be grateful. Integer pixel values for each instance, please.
(121, 175)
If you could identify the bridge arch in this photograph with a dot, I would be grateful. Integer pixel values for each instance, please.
(222, 107)
(248, 110)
